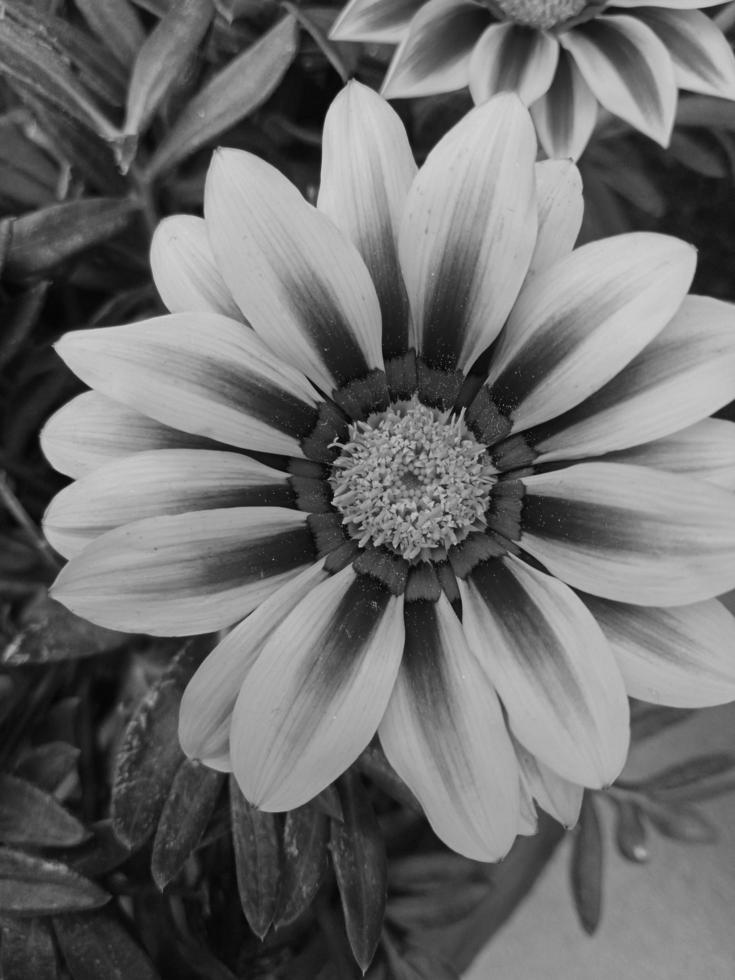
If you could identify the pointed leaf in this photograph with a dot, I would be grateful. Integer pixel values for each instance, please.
(682, 823)
(31, 885)
(97, 947)
(358, 857)
(184, 819)
(305, 836)
(687, 777)
(257, 860)
(46, 766)
(116, 23)
(31, 817)
(586, 869)
(27, 950)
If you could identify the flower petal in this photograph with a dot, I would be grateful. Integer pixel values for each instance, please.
(444, 734)
(682, 375)
(552, 668)
(184, 269)
(201, 372)
(565, 116)
(468, 232)
(380, 21)
(367, 169)
(705, 451)
(632, 534)
(558, 797)
(153, 484)
(316, 693)
(209, 699)
(92, 430)
(577, 323)
(560, 210)
(299, 281)
(629, 70)
(434, 55)
(671, 4)
(703, 59)
(684, 657)
(509, 58)
(186, 574)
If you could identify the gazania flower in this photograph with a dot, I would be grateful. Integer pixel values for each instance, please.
(562, 57)
(449, 481)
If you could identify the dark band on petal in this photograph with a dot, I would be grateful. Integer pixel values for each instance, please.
(513, 453)
(312, 495)
(402, 375)
(474, 549)
(609, 528)
(423, 583)
(390, 569)
(328, 532)
(438, 388)
(506, 504)
(330, 426)
(238, 565)
(363, 396)
(448, 581)
(485, 419)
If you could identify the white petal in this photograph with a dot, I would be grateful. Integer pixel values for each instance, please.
(684, 374)
(508, 58)
(552, 668)
(684, 657)
(577, 323)
(632, 534)
(315, 695)
(445, 736)
(380, 21)
(560, 210)
(629, 71)
(186, 574)
(299, 281)
(209, 699)
(565, 116)
(201, 372)
(367, 168)
(153, 484)
(468, 232)
(434, 54)
(558, 797)
(184, 269)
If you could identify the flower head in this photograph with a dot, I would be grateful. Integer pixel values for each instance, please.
(562, 57)
(449, 481)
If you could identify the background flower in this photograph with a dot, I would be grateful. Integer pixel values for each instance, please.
(562, 57)
(587, 573)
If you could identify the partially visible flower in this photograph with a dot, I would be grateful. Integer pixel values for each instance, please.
(455, 538)
(562, 57)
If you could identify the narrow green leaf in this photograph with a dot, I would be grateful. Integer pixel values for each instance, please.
(358, 857)
(587, 867)
(681, 822)
(238, 90)
(436, 908)
(650, 719)
(31, 817)
(630, 832)
(184, 818)
(46, 766)
(257, 860)
(416, 963)
(95, 946)
(31, 885)
(20, 316)
(698, 770)
(149, 756)
(43, 239)
(161, 58)
(115, 22)
(27, 950)
(305, 837)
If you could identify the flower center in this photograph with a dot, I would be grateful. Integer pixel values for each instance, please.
(413, 479)
(542, 14)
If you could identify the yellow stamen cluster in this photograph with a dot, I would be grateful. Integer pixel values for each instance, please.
(542, 14)
(412, 479)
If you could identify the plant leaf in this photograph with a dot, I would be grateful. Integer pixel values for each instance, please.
(238, 90)
(97, 947)
(29, 816)
(630, 832)
(184, 818)
(31, 885)
(688, 775)
(305, 837)
(46, 766)
(257, 860)
(27, 950)
(587, 866)
(682, 823)
(358, 857)
(117, 24)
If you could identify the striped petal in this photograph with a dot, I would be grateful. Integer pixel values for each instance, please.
(184, 269)
(629, 71)
(631, 534)
(556, 796)
(565, 116)
(669, 4)
(703, 59)
(209, 699)
(445, 736)
(367, 169)
(153, 484)
(317, 691)
(508, 58)
(684, 657)
(468, 232)
(560, 210)
(434, 55)
(380, 21)
(552, 668)
(299, 281)
(705, 451)
(577, 323)
(684, 374)
(201, 372)
(92, 430)
(186, 574)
